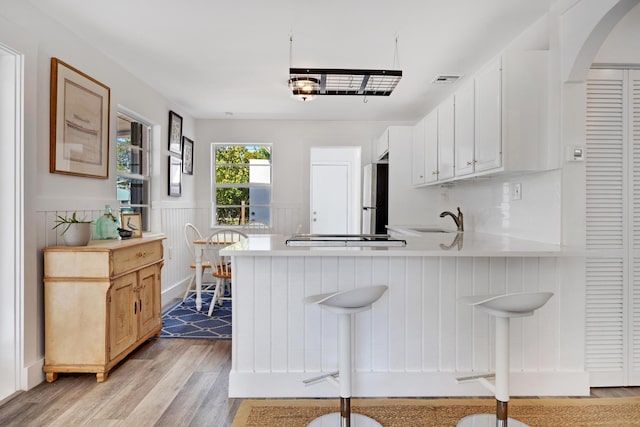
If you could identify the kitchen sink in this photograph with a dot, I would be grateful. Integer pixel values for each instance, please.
(430, 230)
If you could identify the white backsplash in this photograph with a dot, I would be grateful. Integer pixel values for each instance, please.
(488, 205)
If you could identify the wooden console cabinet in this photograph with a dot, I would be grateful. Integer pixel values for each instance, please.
(101, 301)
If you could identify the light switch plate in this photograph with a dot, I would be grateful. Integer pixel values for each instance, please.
(575, 153)
(516, 191)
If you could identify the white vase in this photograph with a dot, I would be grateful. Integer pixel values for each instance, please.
(78, 234)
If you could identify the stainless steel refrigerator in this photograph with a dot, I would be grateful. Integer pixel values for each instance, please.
(375, 200)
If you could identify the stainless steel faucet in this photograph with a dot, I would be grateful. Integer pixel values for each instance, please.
(458, 219)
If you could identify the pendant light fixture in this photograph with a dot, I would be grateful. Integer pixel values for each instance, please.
(307, 83)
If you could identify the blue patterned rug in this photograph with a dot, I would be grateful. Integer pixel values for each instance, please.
(184, 321)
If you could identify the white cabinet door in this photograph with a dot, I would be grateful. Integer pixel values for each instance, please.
(445, 139)
(431, 147)
(464, 130)
(488, 143)
(329, 198)
(417, 151)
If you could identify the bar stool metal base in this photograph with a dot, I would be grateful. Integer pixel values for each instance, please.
(488, 420)
(334, 419)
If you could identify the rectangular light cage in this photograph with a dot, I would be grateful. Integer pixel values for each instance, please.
(336, 81)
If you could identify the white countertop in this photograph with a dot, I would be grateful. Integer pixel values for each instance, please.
(427, 244)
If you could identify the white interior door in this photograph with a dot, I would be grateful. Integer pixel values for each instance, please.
(10, 169)
(329, 198)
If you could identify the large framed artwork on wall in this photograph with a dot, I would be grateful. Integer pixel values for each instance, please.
(79, 123)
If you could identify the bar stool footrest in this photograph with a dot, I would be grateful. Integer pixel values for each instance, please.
(475, 377)
(333, 374)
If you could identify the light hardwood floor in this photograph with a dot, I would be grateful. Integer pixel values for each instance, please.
(166, 382)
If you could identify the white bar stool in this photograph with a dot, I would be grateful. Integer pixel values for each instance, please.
(502, 307)
(345, 304)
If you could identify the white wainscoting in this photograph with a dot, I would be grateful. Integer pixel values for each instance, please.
(416, 337)
(286, 219)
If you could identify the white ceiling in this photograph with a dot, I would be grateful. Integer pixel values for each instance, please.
(215, 57)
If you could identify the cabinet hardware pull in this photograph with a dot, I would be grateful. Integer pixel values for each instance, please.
(469, 163)
(135, 308)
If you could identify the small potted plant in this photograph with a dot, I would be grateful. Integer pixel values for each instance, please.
(76, 232)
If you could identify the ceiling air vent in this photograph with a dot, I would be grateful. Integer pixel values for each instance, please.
(446, 78)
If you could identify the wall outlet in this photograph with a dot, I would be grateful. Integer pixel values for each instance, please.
(516, 191)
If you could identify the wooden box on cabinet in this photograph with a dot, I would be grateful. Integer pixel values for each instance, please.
(101, 301)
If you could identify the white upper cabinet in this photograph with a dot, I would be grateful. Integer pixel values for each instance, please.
(446, 139)
(431, 147)
(464, 124)
(488, 140)
(417, 154)
(496, 123)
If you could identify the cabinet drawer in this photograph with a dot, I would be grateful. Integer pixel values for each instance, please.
(130, 258)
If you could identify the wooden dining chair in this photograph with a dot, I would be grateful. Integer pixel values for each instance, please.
(191, 234)
(221, 265)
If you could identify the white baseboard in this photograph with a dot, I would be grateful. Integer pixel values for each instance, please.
(33, 375)
(176, 291)
(404, 384)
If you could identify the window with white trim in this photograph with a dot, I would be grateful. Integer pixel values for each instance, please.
(133, 179)
(240, 184)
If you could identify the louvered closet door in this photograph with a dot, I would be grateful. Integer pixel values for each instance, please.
(606, 186)
(634, 297)
(613, 227)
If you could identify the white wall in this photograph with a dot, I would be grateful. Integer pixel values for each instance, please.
(622, 46)
(39, 38)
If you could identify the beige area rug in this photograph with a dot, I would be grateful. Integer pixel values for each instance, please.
(444, 412)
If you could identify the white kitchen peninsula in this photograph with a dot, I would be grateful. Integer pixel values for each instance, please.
(417, 337)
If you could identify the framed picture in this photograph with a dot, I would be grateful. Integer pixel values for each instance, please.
(79, 123)
(175, 176)
(133, 223)
(187, 156)
(175, 132)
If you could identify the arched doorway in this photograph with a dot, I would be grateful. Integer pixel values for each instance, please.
(610, 350)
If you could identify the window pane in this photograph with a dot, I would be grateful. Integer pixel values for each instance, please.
(228, 216)
(259, 173)
(232, 196)
(129, 159)
(241, 154)
(132, 191)
(262, 214)
(232, 174)
(260, 196)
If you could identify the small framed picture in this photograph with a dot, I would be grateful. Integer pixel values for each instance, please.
(187, 156)
(133, 223)
(175, 176)
(175, 132)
